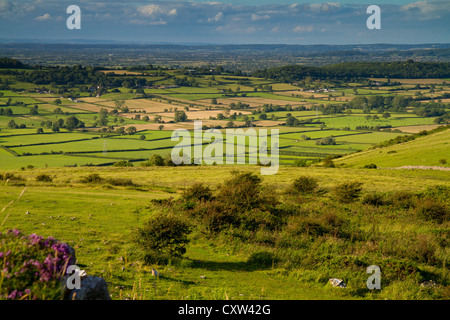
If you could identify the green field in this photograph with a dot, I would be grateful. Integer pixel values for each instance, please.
(424, 151)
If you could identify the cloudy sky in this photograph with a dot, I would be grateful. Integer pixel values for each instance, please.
(229, 21)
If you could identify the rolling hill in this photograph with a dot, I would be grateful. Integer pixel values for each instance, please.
(430, 150)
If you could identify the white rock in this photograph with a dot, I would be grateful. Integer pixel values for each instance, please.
(337, 283)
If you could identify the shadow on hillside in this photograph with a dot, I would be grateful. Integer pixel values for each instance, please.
(228, 266)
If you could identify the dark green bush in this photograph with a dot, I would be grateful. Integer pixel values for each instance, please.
(305, 185)
(300, 163)
(256, 218)
(154, 160)
(242, 192)
(370, 166)
(326, 141)
(168, 161)
(437, 192)
(120, 182)
(374, 199)
(402, 199)
(328, 162)
(92, 178)
(11, 176)
(44, 178)
(123, 163)
(262, 259)
(198, 192)
(308, 226)
(431, 210)
(163, 237)
(348, 191)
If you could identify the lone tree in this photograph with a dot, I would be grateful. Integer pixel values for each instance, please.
(180, 116)
(131, 130)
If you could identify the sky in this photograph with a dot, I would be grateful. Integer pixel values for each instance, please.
(229, 21)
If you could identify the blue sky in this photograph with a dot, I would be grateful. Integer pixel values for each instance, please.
(230, 21)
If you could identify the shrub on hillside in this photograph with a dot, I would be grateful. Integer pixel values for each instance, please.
(123, 163)
(431, 210)
(300, 163)
(10, 176)
(168, 161)
(242, 191)
(402, 199)
(374, 199)
(198, 192)
(92, 178)
(328, 162)
(305, 185)
(262, 259)
(317, 225)
(154, 160)
(44, 178)
(120, 182)
(438, 192)
(348, 191)
(163, 237)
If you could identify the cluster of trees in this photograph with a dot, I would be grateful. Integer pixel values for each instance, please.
(431, 109)
(380, 103)
(180, 116)
(76, 75)
(239, 105)
(8, 63)
(331, 109)
(186, 82)
(71, 123)
(6, 112)
(349, 70)
(326, 141)
(13, 125)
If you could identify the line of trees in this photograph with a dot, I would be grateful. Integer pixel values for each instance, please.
(350, 70)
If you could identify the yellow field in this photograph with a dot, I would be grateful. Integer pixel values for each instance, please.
(417, 129)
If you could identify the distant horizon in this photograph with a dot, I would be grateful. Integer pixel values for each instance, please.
(6, 41)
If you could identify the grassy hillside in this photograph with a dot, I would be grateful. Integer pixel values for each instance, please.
(297, 246)
(429, 150)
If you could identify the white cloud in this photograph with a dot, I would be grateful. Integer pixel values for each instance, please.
(159, 22)
(172, 12)
(149, 10)
(303, 29)
(216, 18)
(256, 17)
(427, 10)
(45, 17)
(153, 10)
(275, 29)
